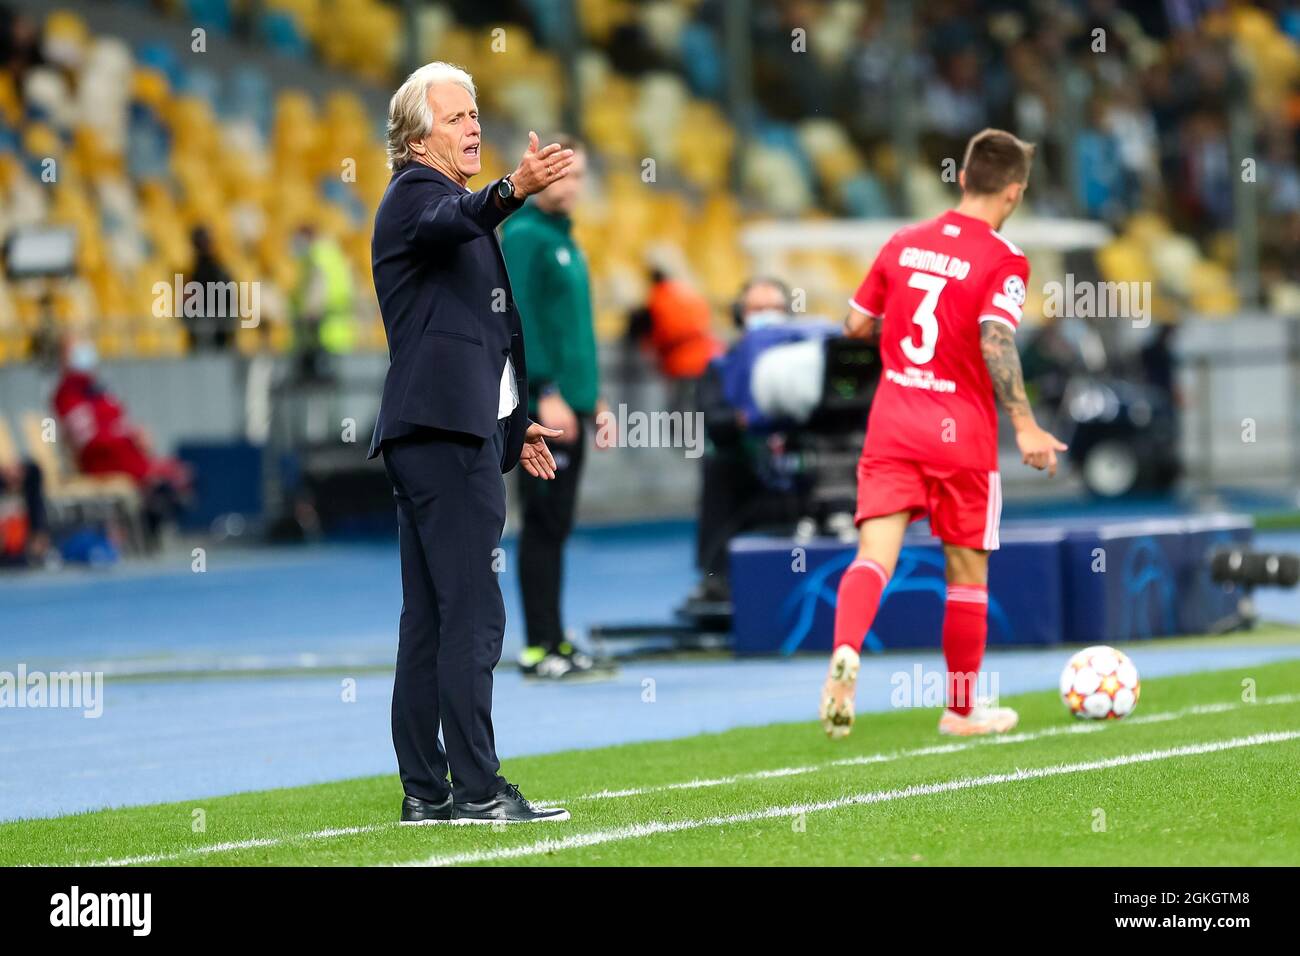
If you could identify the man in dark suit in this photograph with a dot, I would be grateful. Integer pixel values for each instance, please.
(450, 425)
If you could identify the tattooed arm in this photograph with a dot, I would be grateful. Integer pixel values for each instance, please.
(998, 343)
(1038, 448)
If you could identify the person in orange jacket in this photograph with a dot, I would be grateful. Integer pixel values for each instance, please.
(676, 324)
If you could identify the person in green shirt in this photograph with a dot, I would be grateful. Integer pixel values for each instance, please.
(552, 289)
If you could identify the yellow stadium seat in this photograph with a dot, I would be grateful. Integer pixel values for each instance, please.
(150, 87)
(11, 106)
(40, 140)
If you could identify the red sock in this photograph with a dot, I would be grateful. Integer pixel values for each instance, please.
(858, 599)
(965, 629)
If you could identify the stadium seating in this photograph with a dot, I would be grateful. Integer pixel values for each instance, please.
(148, 145)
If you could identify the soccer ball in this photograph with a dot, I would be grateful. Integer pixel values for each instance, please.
(1100, 683)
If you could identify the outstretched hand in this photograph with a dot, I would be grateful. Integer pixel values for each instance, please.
(540, 167)
(1038, 448)
(534, 455)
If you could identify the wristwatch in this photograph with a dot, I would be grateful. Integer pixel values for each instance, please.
(506, 189)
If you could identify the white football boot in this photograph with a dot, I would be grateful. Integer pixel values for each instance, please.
(838, 692)
(982, 719)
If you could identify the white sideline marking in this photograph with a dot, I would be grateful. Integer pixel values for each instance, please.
(235, 845)
(1082, 727)
(1077, 728)
(641, 830)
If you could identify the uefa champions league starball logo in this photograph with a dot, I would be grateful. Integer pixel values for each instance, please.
(1014, 289)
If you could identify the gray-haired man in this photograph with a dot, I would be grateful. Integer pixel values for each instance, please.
(450, 424)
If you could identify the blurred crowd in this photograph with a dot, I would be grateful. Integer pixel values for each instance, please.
(1132, 105)
(1147, 115)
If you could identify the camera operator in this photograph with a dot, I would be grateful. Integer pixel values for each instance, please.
(731, 492)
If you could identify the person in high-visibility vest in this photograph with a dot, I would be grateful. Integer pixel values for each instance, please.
(324, 301)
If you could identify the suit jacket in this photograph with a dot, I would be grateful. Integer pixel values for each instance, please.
(448, 310)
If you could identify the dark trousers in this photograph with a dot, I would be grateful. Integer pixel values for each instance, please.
(549, 507)
(729, 490)
(451, 508)
(34, 498)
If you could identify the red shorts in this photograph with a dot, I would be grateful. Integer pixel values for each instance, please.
(964, 505)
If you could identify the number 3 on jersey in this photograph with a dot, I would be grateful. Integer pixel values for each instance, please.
(924, 317)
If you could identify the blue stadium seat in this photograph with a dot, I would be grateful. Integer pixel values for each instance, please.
(703, 60)
(202, 83)
(280, 31)
(160, 57)
(148, 147)
(248, 94)
(210, 14)
(550, 20)
(343, 195)
(865, 198)
(783, 136)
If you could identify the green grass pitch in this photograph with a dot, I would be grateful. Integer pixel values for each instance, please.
(1199, 775)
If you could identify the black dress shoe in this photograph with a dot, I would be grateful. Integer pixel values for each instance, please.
(507, 805)
(415, 810)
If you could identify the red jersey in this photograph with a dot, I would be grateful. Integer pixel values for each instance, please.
(98, 427)
(932, 285)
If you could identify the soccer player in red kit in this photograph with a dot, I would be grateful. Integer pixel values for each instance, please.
(942, 301)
